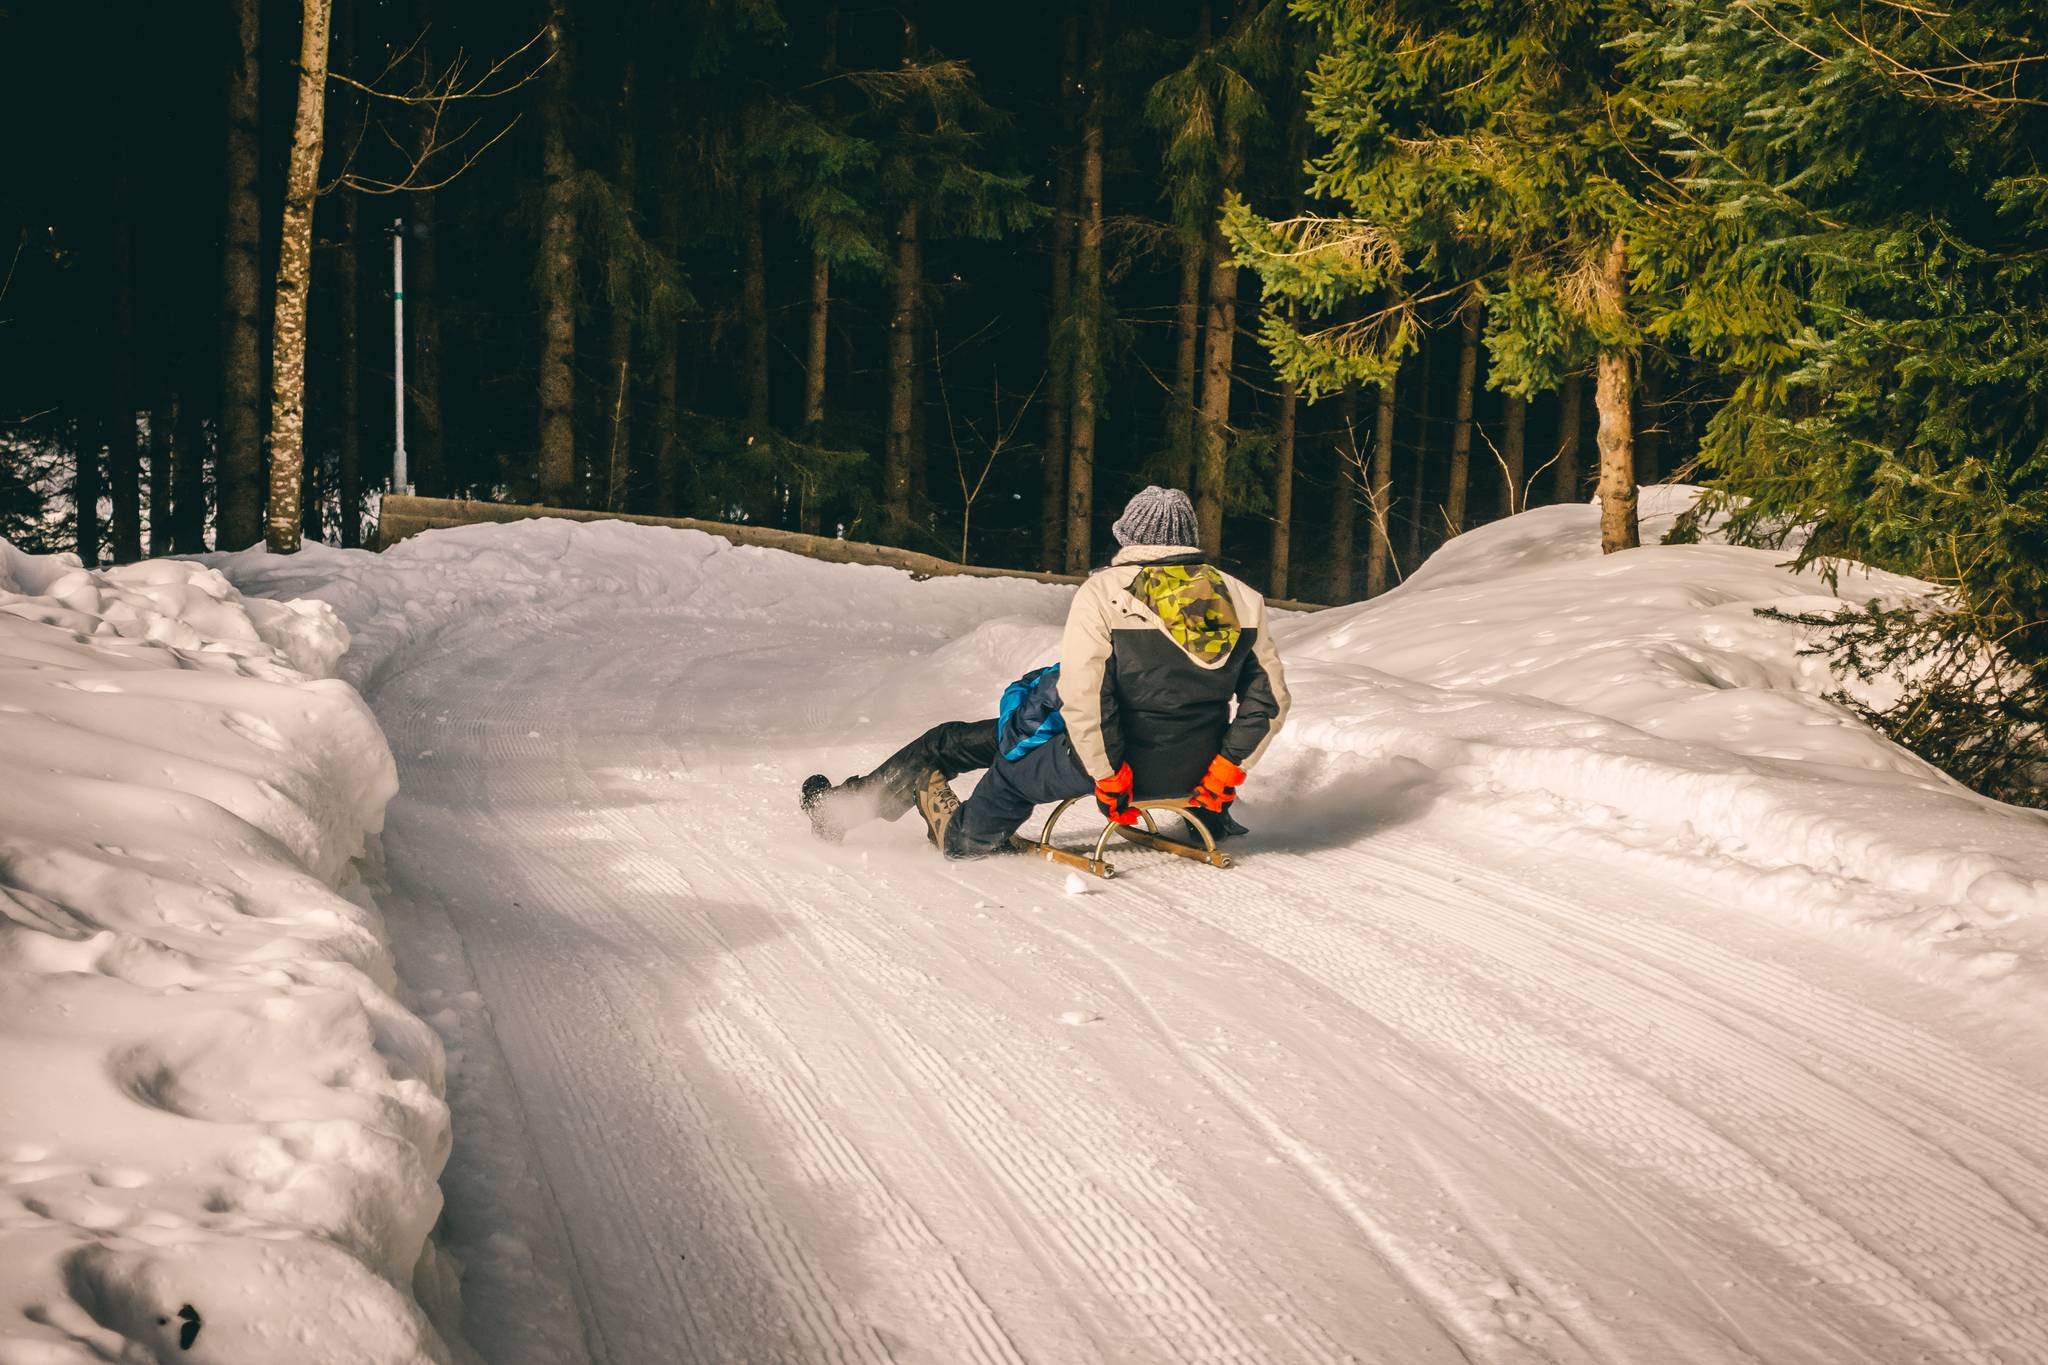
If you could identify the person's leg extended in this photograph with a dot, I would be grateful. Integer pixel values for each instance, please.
(1009, 792)
(888, 793)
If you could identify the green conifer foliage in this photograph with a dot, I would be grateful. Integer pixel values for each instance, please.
(1483, 152)
(1856, 227)
(1477, 146)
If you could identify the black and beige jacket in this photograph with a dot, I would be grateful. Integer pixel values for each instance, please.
(1166, 662)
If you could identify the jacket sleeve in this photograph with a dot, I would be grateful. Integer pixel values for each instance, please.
(1085, 697)
(1262, 702)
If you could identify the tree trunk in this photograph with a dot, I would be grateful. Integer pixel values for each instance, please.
(1569, 423)
(618, 348)
(814, 355)
(163, 420)
(1087, 308)
(1052, 483)
(1059, 359)
(86, 489)
(1419, 488)
(348, 397)
(1283, 492)
(1182, 421)
(188, 478)
(1379, 542)
(1219, 341)
(1650, 429)
(619, 420)
(294, 279)
(668, 386)
(755, 305)
(425, 440)
(902, 385)
(312, 489)
(1344, 500)
(1513, 451)
(238, 468)
(921, 350)
(557, 269)
(811, 513)
(1457, 495)
(1617, 490)
(124, 460)
(1613, 398)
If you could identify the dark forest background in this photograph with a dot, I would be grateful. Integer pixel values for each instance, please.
(720, 152)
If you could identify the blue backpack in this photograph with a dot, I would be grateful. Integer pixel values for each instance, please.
(1030, 712)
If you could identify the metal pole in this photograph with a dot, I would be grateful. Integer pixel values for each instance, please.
(400, 480)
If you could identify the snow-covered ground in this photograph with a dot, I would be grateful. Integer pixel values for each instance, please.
(1590, 989)
(218, 1129)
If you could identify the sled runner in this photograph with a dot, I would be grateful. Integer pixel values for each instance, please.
(1148, 837)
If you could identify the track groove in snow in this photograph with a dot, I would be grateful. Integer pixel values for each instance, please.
(1379, 1102)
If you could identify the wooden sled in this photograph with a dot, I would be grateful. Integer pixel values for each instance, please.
(1148, 837)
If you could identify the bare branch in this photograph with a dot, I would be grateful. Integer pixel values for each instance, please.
(424, 158)
(450, 85)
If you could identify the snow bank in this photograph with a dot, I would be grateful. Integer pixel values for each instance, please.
(536, 571)
(218, 1130)
(1638, 703)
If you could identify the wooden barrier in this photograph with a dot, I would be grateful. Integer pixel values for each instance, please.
(405, 515)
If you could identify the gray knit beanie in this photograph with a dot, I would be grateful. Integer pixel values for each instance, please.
(1157, 516)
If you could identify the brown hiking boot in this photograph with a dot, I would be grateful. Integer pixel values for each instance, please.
(936, 803)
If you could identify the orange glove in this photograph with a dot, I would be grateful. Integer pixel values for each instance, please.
(1218, 787)
(1113, 794)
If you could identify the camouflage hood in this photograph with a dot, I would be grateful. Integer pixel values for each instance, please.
(1193, 603)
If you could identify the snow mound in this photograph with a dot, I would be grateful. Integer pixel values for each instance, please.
(1637, 704)
(218, 1129)
(526, 571)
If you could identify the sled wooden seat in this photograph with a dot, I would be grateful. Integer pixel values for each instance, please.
(1148, 837)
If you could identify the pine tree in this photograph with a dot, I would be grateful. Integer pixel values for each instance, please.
(1490, 151)
(1858, 222)
(1206, 110)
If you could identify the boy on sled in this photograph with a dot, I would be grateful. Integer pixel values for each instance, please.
(1168, 686)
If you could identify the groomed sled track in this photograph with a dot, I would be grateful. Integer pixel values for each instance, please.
(1405, 1095)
